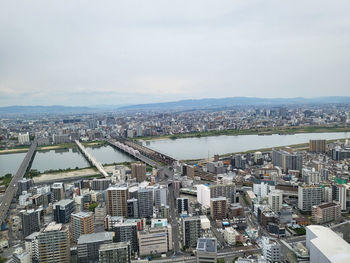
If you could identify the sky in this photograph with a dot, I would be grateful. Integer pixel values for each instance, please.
(84, 52)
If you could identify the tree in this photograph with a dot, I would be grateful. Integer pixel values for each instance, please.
(220, 260)
(92, 206)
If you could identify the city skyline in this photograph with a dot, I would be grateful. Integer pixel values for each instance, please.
(131, 53)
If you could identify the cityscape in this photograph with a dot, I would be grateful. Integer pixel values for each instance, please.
(174, 131)
(118, 198)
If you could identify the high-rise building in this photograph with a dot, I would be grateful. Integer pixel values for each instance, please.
(138, 171)
(100, 184)
(127, 232)
(115, 252)
(343, 195)
(191, 231)
(225, 190)
(100, 213)
(133, 208)
(60, 138)
(207, 250)
(88, 245)
(218, 208)
(62, 210)
(203, 195)
(271, 250)
(182, 205)
(145, 202)
(326, 212)
(160, 195)
(31, 246)
(117, 197)
(275, 199)
(317, 146)
(82, 223)
(57, 190)
(53, 244)
(287, 161)
(326, 246)
(30, 221)
(23, 138)
(308, 196)
(24, 185)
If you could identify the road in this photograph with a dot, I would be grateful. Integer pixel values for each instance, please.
(12, 188)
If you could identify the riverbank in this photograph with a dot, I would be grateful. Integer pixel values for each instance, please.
(53, 147)
(261, 131)
(72, 174)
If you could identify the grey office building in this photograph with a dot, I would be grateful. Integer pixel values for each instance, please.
(88, 246)
(191, 231)
(30, 221)
(127, 232)
(133, 208)
(62, 210)
(145, 201)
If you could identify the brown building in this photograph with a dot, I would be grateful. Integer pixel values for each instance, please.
(317, 146)
(218, 208)
(268, 217)
(53, 244)
(82, 223)
(138, 171)
(235, 210)
(117, 201)
(325, 212)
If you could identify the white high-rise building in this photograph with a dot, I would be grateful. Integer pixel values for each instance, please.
(203, 195)
(271, 250)
(342, 196)
(275, 199)
(23, 138)
(262, 189)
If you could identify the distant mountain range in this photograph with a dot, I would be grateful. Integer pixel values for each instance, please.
(236, 101)
(182, 104)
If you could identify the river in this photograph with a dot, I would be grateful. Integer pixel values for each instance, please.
(61, 159)
(198, 148)
(182, 149)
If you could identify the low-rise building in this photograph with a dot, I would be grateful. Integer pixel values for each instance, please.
(207, 250)
(326, 212)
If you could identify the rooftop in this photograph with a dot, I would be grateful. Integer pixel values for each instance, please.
(332, 246)
(95, 237)
(207, 245)
(82, 214)
(63, 202)
(110, 246)
(53, 227)
(327, 205)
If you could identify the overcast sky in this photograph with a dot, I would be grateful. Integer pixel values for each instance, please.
(72, 52)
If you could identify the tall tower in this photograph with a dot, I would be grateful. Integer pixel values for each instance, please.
(117, 201)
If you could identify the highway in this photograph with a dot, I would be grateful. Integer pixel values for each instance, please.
(13, 187)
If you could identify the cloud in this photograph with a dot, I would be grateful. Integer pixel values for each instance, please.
(96, 52)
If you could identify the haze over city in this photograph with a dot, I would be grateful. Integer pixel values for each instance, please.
(182, 131)
(125, 52)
